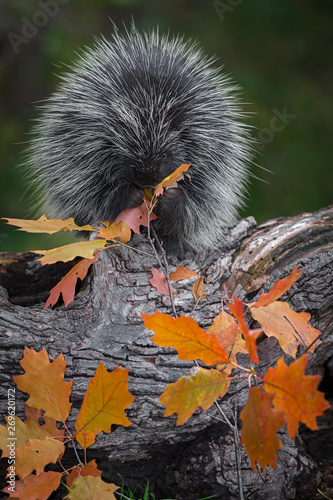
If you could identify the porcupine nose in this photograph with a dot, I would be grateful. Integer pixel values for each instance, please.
(146, 177)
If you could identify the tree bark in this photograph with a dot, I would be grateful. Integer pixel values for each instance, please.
(104, 323)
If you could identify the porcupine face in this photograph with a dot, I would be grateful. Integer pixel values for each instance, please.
(125, 116)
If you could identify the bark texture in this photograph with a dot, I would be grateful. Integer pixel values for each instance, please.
(104, 324)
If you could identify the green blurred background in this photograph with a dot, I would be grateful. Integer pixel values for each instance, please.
(278, 51)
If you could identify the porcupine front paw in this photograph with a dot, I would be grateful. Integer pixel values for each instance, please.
(170, 225)
(133, 196)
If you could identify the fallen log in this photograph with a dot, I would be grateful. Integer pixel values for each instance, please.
(104, 323)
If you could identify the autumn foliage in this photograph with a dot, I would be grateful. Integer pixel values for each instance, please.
(39, 444)
(274, 400)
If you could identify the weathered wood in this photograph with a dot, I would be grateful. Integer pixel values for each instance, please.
(104, 324)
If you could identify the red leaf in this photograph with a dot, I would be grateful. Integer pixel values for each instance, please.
(159, 282)
(260, 424)
(250, 335)
(136, 217)
(67, 285)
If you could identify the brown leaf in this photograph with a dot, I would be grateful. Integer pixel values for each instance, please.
(250, 335)
(36, 454)
(229, 337)
(198, 289)
(136, 217)
(49, 425)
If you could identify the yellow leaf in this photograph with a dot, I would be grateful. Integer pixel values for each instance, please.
(112, 231)
(85, 249)
(49, 226)
(187, 394)
(91, 488)
(23, 432)
(104, 404)
(36, 454)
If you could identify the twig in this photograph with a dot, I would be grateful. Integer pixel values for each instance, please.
(164, 267)
(234, 429)
(238, 458)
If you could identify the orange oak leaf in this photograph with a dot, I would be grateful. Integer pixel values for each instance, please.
(85, 249)
(182, 273)
(35, 487)
(36, 454)
(170, 179)
(229, 337)
(44, 382)
(232, 348)
(188, 393)
(250, 335)
(185, 335)
(112, 231)
(260, 424)
(49, 424)
(92, 488)
(103, 404)
(289, 327)
(66, 287)
(159, 282)
(89, 470)
(198, 289)
(221, 322)
(296, 394)
(278, 289)
(49, 226)
(136, 217)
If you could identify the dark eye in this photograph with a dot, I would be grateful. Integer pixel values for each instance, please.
(164, 156)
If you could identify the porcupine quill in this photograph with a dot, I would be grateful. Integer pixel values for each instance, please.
(125, 116)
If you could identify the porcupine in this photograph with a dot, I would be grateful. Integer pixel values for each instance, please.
(125, 116)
